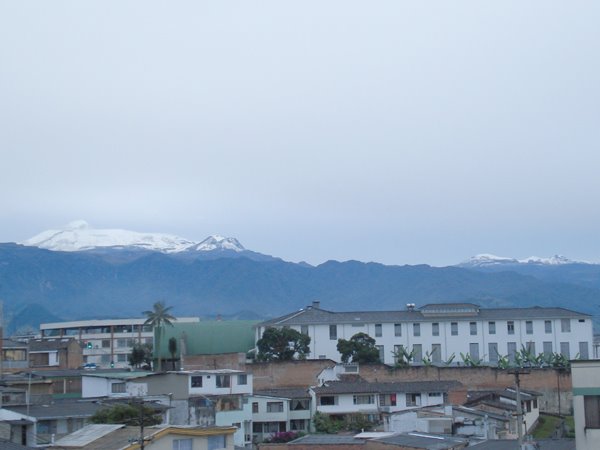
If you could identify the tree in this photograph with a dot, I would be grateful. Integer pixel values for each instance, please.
(173, 350)
(282, 344)
(128, 414)
(360, 348)
(158, 318)
(137, 356)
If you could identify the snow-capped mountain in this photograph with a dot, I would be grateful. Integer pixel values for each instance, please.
(486, 260)
(79, 235)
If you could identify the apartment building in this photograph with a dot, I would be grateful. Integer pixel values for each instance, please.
(278, 410)
(106, 343)
(440, 332)
(586, 403)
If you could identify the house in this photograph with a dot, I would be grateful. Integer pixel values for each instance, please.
(439, 332)
(109, 437)
(65, 353)
(17, 429)
(194, 398)
(585, 377)
(505, 403)
(57, 419)
(14, 355)
(279, 410)
(342, 399)
(106, 343)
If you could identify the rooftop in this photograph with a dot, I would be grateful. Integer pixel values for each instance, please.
(316, 315)
(342, 387)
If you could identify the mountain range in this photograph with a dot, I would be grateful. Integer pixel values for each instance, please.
(79, 272)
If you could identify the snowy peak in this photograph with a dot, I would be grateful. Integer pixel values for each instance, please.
(486, 260)
(79, 235)
(216, 242)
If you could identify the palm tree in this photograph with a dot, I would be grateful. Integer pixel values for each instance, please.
(157, 318)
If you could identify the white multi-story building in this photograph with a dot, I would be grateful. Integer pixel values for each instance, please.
(438, 331)
(106, 343)
(585, 376)
(279, 410)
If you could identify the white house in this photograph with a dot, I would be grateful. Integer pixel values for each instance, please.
(279, 410)
(438, 331)
(585, 376)
(342, 398)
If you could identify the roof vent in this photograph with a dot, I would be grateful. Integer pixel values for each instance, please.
(410, 306)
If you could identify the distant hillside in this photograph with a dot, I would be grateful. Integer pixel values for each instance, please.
(76, 285)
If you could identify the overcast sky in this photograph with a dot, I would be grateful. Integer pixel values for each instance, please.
(389, 131)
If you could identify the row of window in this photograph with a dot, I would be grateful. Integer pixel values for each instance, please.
(76, 331)
(213, 443)
(412, 399)
(565, 326)
(493, 353)
(222, 381)
(277, 407)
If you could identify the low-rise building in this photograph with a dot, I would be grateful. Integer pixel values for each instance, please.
(65, 353)
(585, 377)
(280, 410)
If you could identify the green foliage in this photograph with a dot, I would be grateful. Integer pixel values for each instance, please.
(403, 357)
(282, 344)
(137, 356)
(158, 317)
(469, 361)
(450, 359)
(128, 414)
(503, 362)
(360, 348)
(325, 424)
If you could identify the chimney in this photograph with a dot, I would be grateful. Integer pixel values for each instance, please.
(410, 306)
(316, 304)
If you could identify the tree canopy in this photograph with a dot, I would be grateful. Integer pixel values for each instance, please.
(282, 344)
(359, 348)
(128, 414)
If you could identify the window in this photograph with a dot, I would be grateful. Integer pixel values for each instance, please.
(418, 349)
(591, 406)
(328, 400)
(529, 327)
(333, 332)
(304, 329)
(548, 326)
(436, 353)
(105, 343)
(512, 351)
(381, 352)
(223, 381)
(583, 350)
(413, 399)
(182, 444)
(117, 388)
(196, 381)
(254, 407)
(364, 399)
(547, 348)
(397, 329)
(454, 328)
(416, 329)
(565, 350)
(378, 330)
(473, 328)
(387, 399)
(492, 327)
(298, 425)
(15, 355)
(435, 329)
(242, 379)
(122, 357)
(493, 352)
(474, 350)
(565, 325)
(216, 442)
(530, 347)
(510, 327)
(299, 404)
(274, 407)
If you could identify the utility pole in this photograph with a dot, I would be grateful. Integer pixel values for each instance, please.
(517, 372)
(142, 424)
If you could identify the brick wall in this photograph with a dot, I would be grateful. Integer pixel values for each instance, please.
(288, 374)
(234, 361)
